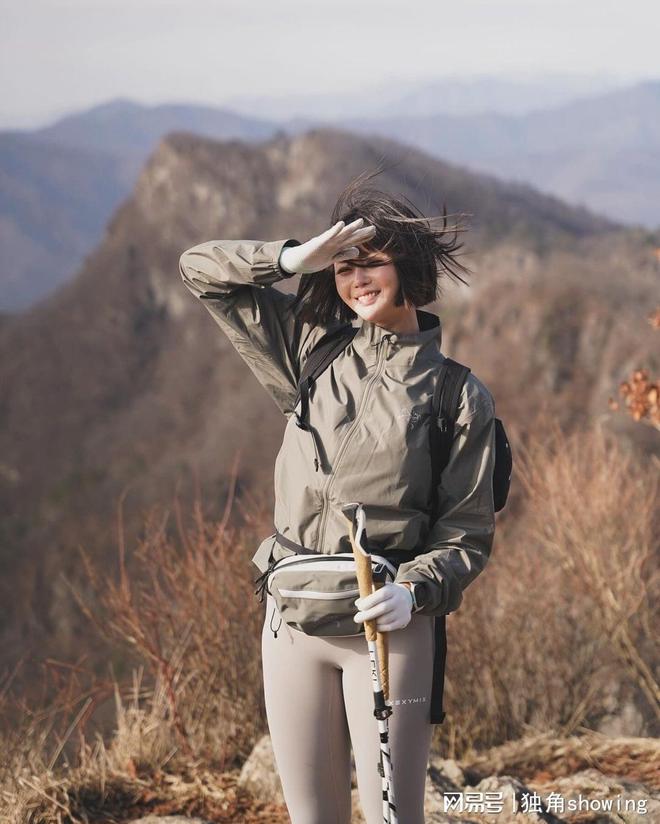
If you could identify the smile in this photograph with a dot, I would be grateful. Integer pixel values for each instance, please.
(368, 297)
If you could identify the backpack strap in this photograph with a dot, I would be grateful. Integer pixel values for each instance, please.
(446, 396)
(321, 356)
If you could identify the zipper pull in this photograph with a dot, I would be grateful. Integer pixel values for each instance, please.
(274, 631)
(316, 451)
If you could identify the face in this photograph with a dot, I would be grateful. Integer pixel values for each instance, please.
(371, 291)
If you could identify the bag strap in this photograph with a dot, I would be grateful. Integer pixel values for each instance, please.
(321, 356)
(446, 397)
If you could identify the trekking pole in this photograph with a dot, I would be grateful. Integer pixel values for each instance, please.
(354, 513)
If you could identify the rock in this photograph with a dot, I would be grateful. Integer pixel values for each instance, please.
(445, 773)
(434, 807)
(518, 802)
(259, 773)
(631, 802)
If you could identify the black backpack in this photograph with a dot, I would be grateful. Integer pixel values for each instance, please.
(446, 396)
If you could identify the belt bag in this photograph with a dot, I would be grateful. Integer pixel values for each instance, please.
(316, 594)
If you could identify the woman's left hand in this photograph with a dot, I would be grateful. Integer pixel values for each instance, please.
(391, 604)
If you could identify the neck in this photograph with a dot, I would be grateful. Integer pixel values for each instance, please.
(407, 324)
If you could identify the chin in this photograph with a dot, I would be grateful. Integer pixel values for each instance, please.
(373, 313)
(367, 313)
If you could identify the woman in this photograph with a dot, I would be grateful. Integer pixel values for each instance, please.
(367, 440)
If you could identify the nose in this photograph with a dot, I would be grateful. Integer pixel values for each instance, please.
(361, 276)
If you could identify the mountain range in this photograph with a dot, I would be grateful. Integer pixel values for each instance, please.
(62, 182)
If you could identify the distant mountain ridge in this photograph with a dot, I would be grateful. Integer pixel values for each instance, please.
(127, 128)
(602, 152)
(451, 95)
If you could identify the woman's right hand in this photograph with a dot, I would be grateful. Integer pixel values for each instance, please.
(339, 242)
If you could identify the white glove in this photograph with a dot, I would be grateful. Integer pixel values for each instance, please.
(339, 242)
(391, 604)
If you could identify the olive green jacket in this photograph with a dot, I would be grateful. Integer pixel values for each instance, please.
(369, 413)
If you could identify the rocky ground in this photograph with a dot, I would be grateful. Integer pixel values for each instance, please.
(538, 779)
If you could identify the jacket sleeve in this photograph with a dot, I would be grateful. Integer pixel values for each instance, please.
(459, 543)
(234, 278)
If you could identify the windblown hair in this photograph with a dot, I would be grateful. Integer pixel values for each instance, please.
(421, 254)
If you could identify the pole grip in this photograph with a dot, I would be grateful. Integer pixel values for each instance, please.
(365, 582)
(383, 660)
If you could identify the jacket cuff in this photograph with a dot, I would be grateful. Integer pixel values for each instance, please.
(422, 591)
(281, 271)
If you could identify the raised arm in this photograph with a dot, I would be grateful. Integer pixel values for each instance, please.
(234, 279)
(459, 543)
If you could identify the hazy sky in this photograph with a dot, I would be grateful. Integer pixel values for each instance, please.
(61, 55)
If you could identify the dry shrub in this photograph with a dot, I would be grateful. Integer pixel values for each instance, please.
(140, 771)
(44, 780)
(185, 604)
(595, 510)
(564, 611)
(566, 607)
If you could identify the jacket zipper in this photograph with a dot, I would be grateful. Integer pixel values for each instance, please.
(342, 447)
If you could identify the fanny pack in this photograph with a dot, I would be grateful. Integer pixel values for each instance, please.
(316, 593)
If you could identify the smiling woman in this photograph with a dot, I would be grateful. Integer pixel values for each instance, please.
(360, 431)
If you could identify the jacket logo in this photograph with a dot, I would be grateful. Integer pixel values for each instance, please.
(411, 416)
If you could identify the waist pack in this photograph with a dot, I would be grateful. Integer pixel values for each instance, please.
(315, 593)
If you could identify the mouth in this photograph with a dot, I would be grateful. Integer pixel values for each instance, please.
(366, 298)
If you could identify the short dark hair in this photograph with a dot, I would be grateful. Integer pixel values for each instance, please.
(420, 253)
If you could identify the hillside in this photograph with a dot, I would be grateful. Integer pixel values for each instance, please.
(62, 183)
(54, 205)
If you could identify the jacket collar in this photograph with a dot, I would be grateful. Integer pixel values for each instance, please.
(369, 335)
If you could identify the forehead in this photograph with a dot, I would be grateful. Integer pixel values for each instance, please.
(372, 258)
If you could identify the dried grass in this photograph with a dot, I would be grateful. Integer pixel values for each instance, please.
(566, 607)
(565, 610)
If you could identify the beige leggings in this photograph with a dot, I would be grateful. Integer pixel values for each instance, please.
(319, 702)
